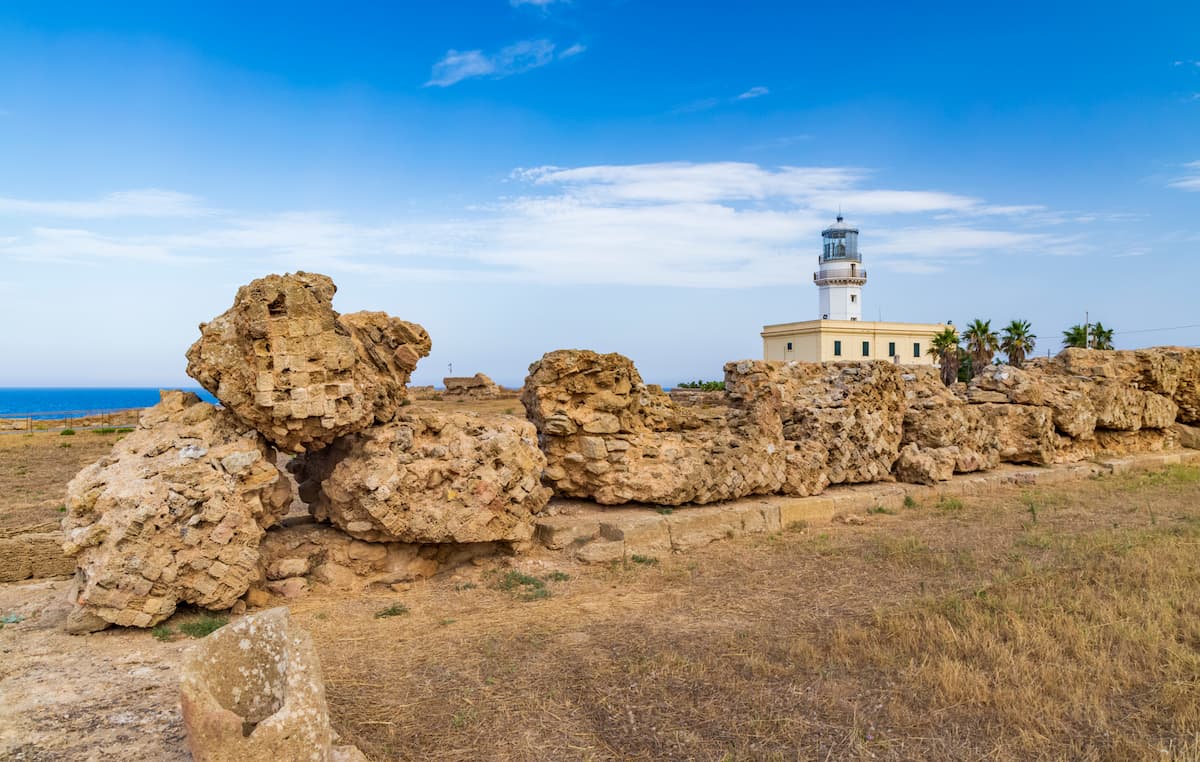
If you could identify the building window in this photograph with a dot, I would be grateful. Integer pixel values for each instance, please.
(866, 349)
(837, 349)
(789, 346)
(916, 349)
(891, 349)
(853, 298)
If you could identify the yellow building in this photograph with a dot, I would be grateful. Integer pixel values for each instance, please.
(826, 340)
(841, 334)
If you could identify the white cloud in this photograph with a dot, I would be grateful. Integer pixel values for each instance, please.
(574, 50)
(719, 224)
(754, 92)
(519, 57)
(150, 202)
(537, 3)
(1191, 180)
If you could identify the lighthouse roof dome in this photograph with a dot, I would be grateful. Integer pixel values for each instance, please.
(840, 226)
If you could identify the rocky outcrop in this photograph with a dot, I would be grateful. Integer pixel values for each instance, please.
(430, 477)
(477, 386)
(254, 690)
(938, 422)
(1171, 372)
(611, 437)
(286, 363)
(174, 513)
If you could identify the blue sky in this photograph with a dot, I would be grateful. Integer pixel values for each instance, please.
(645, 178)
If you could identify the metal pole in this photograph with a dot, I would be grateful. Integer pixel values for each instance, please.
(1085, 329)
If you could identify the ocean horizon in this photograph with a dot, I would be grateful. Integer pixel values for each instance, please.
(40, 402)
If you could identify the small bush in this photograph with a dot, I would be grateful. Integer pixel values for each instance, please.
(946, 503)
(104, 430)
(910, 501)
(644, 560)
(205, 625)
(704, 386)
(666, 511)
(67, 433)
(61, 509)
(125, 430)
(396, 609)
(525, 587)
(557, 576)
(163, 633)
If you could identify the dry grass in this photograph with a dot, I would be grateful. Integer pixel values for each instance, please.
(35, 469)
(985, 632)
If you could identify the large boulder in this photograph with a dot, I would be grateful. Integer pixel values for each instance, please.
(1023, 433)
(925, 466)
(285, 362)
(1172, 372)
(174, 513)
(254, 690)
(612, 438)
(430, 477)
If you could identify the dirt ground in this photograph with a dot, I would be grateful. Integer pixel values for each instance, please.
(1050, 623)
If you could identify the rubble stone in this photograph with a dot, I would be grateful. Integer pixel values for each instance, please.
(285, 362)
(431, 477)
(174, 513)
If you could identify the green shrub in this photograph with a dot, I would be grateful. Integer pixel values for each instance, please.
(524, 586)
(396, 609)
(557, 576)
(704, 386)
(205, 625)
(104, 430)
(67, 433)
(910, 501)
(644, 560)
(163, 633)
(949, 503)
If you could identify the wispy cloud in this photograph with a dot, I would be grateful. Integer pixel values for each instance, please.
(536, 3)
(574, 50)
(150, 202)
(705, 104)
(717, 224)
(519, 57)
(754, 92)
(1189, 181)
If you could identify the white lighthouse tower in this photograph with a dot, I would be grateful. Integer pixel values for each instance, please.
(840, 276)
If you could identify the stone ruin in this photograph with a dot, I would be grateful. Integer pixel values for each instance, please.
(478, 387)
(190, 507)
(186, 509)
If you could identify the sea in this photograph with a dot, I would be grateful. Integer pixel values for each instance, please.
(60, 402)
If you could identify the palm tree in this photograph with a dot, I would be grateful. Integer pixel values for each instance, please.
(1101, 337)
(982, 344)
(944, 347)
(1017, 341)
(1076, 336)
(1088, 336)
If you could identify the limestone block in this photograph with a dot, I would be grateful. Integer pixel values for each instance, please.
(285, 362)
(431, 477)
(163, 518)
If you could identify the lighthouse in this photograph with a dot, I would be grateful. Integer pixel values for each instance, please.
(840, 333)
(840, 275)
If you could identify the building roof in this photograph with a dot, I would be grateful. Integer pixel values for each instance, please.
(840, 226)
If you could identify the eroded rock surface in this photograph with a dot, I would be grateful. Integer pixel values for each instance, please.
(431, 477)
(253, 690)
(477, 386)
(285, 362)
(611, 437)
(174, 513)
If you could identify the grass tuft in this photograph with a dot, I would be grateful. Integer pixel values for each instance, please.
(67, 433)
(205, 625)
(396, 609)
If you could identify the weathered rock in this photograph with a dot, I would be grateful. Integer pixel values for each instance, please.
(335, 559)
(285, 362)
(174, 513)
(610, 437)
(1188, 436)
(920, 466)
(431, 477)
(1023, 433)
(254, 690)
(1172, 372)
(33, 554)
(477, 386)
(1011, 384)
(936, 419)
(842, 422)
